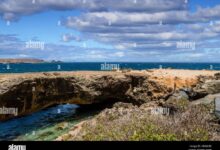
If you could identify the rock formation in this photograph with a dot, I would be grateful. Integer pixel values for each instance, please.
(35, 91)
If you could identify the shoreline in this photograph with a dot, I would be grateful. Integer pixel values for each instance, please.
(60, 67)
(132, 92)
(167, 70)
(166, 76)
(29, 90)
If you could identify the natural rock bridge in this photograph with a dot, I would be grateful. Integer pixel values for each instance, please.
(32, 92)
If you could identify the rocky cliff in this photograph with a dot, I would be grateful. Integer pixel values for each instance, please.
(189, 113)
(32, 92)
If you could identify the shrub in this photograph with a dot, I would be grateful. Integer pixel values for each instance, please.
(138, 125)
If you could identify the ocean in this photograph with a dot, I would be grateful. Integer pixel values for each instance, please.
(46, 67)
(47, 124)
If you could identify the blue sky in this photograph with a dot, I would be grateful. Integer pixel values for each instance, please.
(109, 30)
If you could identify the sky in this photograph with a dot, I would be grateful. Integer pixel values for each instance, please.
(111, 30)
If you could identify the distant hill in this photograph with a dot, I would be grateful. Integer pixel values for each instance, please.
(29, 60)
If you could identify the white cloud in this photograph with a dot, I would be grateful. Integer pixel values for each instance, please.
(12, 9)
(70, 37)
(153, 25)
(119, 54)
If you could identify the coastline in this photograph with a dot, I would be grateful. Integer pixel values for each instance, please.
(30, 60)
(132, 91)
(95, 86)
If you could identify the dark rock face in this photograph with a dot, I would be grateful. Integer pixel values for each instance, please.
(35, 93)
(212, 86)
(207, 85)
(207, 99)
(203, 89)
(180, 95)
(196, 93)
(212, 101)
(217, 76)
(177, 102)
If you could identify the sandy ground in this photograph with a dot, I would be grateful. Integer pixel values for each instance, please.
(155, 72)
(179, 78)
(170, 77)
(182, 73)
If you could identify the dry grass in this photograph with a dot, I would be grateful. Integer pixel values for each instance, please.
(135, 124)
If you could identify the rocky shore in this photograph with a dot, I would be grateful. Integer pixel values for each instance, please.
(32, 92)
(188, 113)
(149, 104)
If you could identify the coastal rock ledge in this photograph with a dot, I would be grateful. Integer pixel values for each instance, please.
(31, 92)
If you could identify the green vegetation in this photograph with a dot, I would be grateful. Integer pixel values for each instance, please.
(135, 125)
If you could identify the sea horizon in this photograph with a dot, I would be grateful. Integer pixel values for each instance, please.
(97, 66)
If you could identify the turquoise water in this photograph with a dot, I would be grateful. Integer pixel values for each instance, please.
(46, 124)
(49, 123)
(44, 67)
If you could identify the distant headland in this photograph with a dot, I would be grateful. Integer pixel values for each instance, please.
(23, 60)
